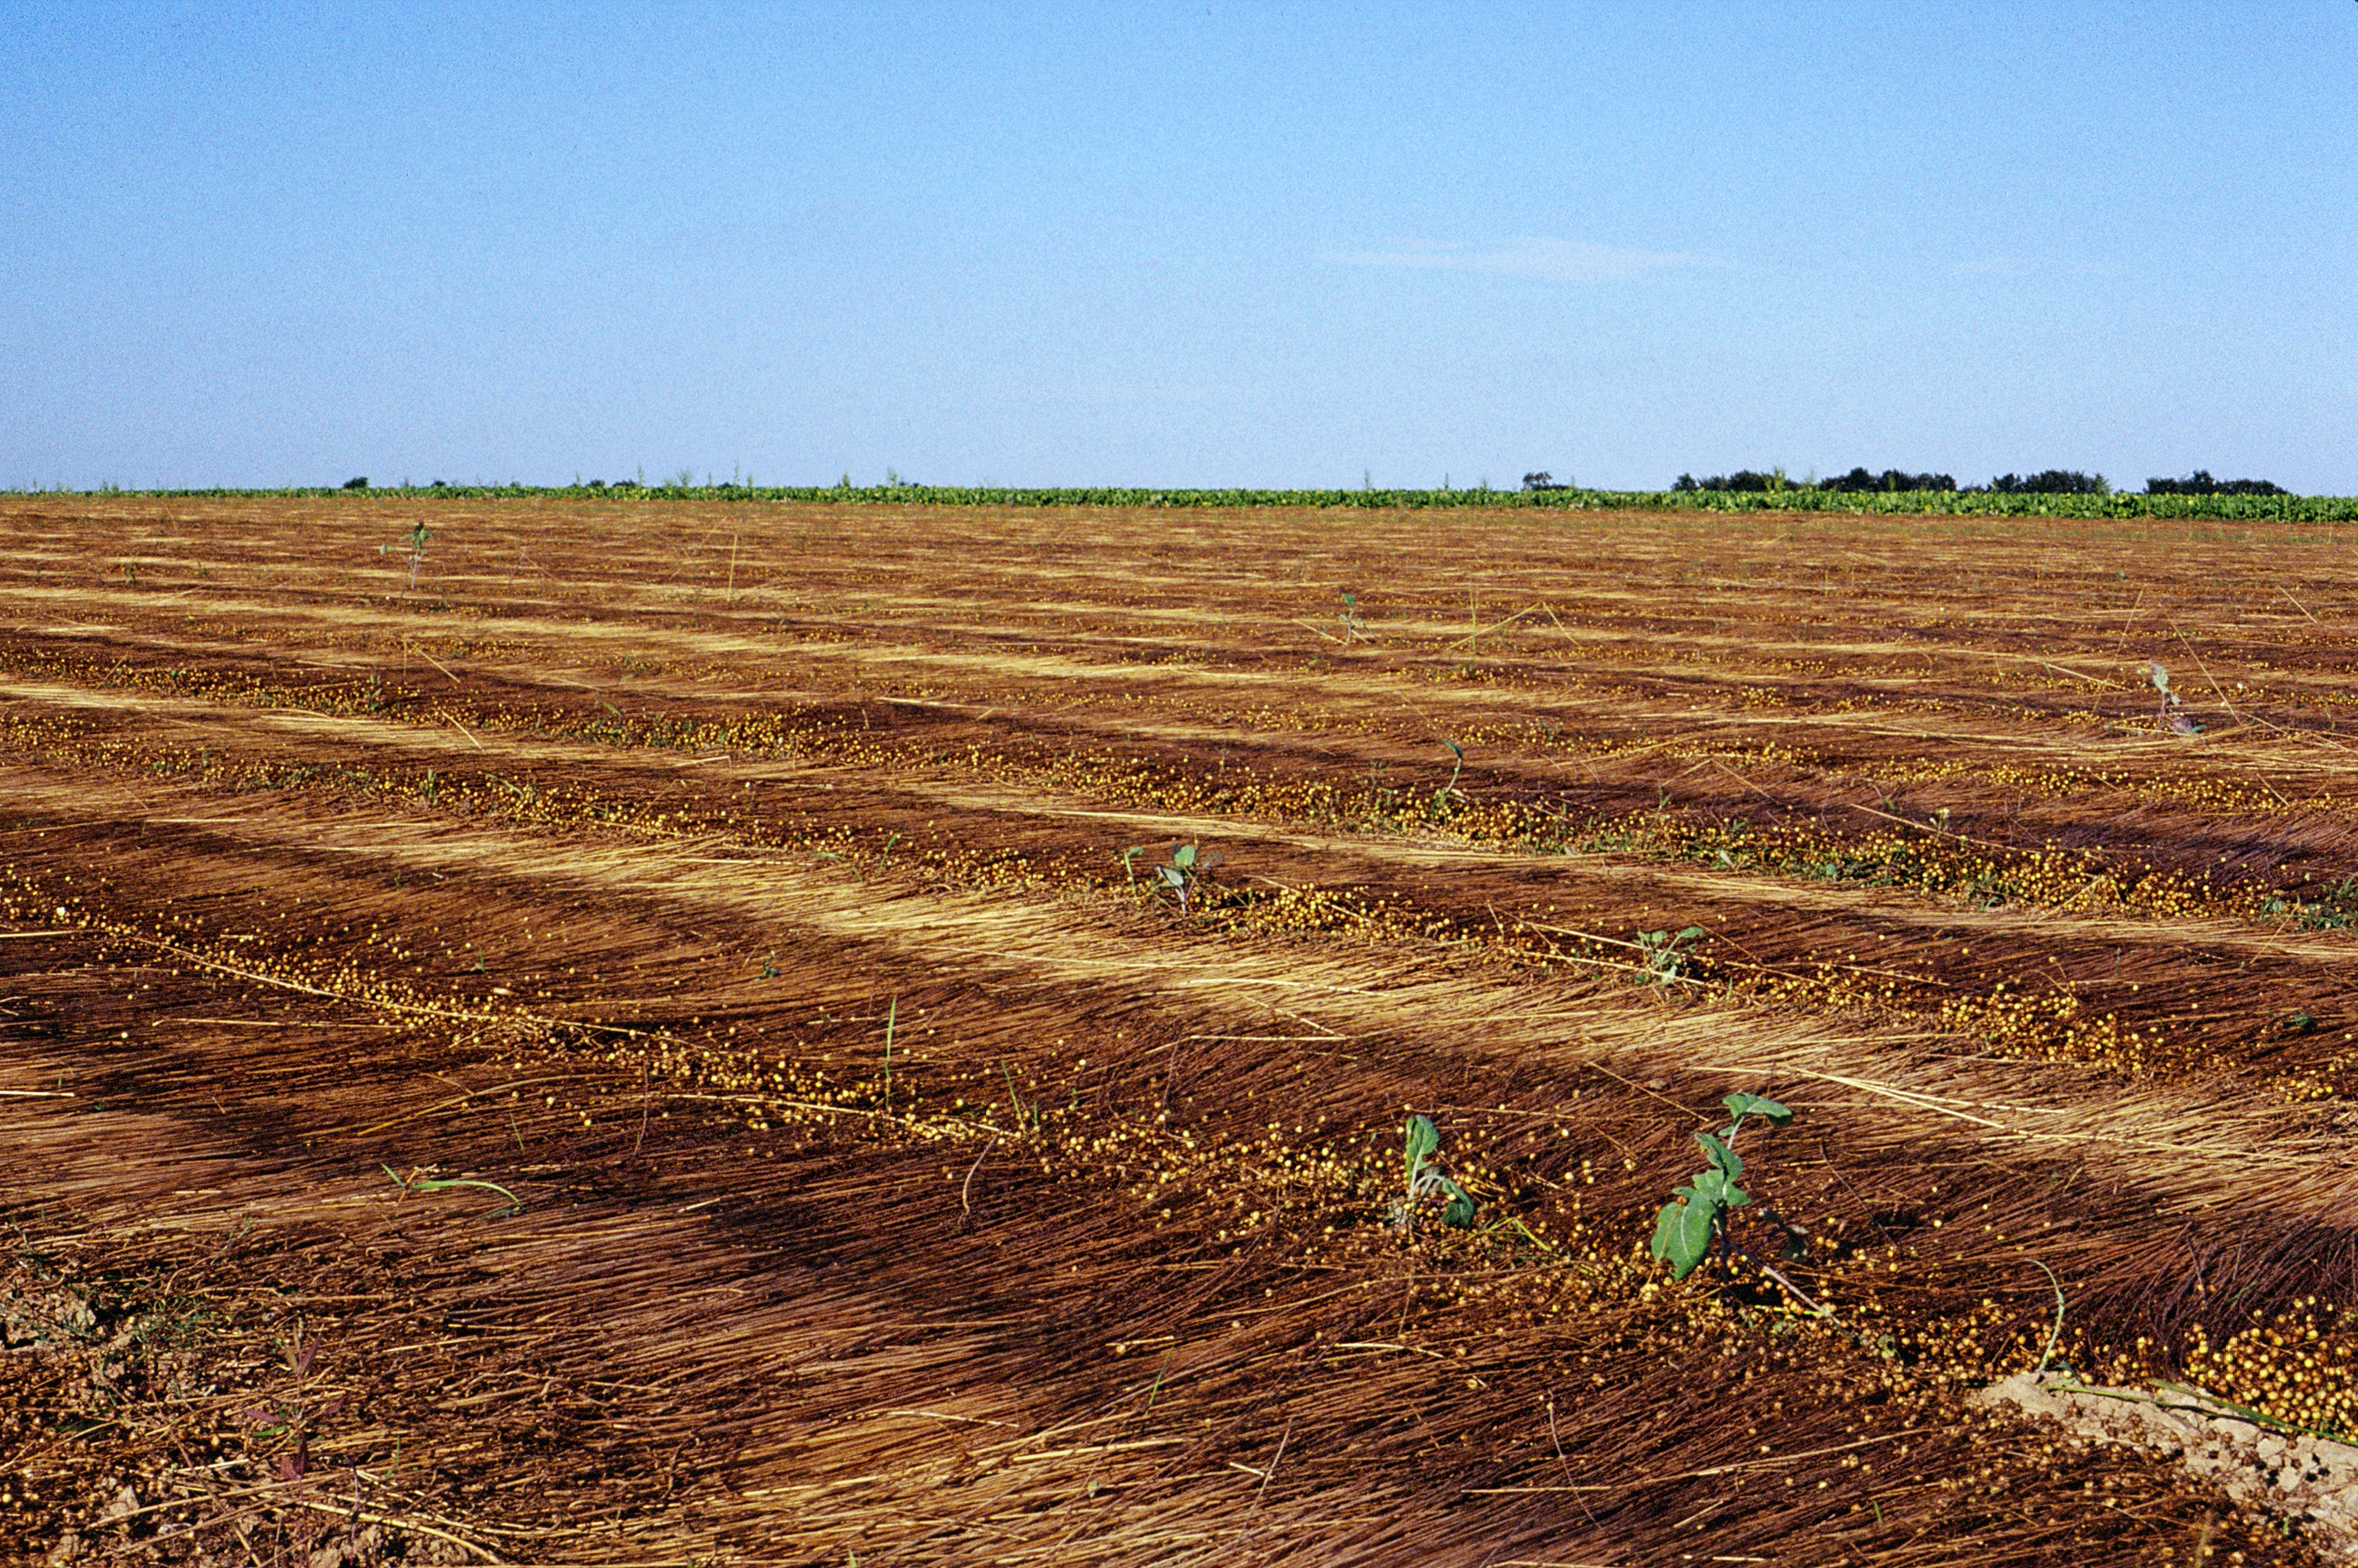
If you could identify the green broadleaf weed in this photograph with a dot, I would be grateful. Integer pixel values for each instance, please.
(1424, 1181)
(1694, 1223)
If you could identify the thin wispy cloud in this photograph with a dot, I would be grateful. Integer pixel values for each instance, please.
(1549, 261)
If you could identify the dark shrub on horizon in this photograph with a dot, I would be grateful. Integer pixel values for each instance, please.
(1890, 478)
(1742, 479)
(2050, 482)
(1858, 479)
(2200, 483)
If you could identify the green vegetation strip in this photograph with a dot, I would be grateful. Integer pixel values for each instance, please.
(1958, 503)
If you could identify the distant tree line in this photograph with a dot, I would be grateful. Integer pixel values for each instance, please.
(2046, 481)
(1856, 479)
(2201, 483)
(2050, 482)
(1890, 478)
(1743, 479)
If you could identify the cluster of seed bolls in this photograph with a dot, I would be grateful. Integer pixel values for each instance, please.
(2296, 1366)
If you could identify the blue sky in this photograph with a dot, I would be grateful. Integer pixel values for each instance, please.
(1273, 244)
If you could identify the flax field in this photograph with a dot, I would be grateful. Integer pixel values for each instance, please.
(620, 1030)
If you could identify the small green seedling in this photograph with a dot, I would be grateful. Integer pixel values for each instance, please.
(1664, 953)
(1027, 1117)
(1426, 1181)
(1354, 628)
(419, 1182)
(1447, 794)
(1694, 1222)
(414, 547)
(2170, 721)
(1182, 878)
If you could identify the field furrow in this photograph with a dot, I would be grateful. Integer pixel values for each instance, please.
(683, 1035)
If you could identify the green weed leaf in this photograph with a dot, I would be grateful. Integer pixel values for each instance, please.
(1726, 1160)
(1460, 1211)
(1683, 1235)
(1424, 1141)
(1740, 1106)
(417, 1182)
